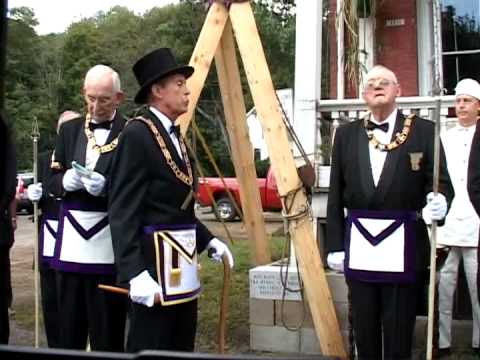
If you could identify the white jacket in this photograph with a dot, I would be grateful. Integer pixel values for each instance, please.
(462, 223)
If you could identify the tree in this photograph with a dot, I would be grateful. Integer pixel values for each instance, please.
(45, 73)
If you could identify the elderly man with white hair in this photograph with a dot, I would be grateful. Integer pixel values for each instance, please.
(460, 232)
(382, 175)
(83, 254)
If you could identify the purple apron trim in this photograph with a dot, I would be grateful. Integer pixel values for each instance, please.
(408, 218)
(375, 240)
(150, 229)
(182, 296)
(49, 228)
(72, 266)
(172, 239)
(86, 234)
(71, 205)
(41, 236)
(107, 269)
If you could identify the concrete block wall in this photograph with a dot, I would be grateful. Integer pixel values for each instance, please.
(268, 321)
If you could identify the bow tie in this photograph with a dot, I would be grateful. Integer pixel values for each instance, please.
(372, 126)
(175, 129)
(103, 125)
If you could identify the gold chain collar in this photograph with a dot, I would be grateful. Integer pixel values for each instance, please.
(93, 143)
(187, 179)
(399, 139)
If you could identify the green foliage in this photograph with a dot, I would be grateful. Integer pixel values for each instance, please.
(45, 73)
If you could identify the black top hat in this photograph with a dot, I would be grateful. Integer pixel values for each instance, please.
(154, 66)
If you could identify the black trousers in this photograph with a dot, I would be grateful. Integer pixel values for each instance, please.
(162, 327)
(86, 311)
(5, 290)
(48, 286)
(383, 311)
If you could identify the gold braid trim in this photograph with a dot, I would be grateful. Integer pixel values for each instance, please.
(399, 139)
(93, 143)
(187, 179)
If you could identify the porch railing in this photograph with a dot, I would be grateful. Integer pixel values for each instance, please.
(333, 113)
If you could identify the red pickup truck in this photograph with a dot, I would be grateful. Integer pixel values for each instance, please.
(225, 208)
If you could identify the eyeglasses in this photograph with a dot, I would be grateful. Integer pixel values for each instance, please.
(374, 83)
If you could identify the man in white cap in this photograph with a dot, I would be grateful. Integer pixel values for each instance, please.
(460, 232)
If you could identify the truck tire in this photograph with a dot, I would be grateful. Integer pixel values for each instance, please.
(225, 209)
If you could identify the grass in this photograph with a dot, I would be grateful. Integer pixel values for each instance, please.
(238, 335)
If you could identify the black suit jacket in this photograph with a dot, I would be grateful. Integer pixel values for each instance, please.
(8, 176)
(48, 203)
(144, 192)
(400, 186)
(473, 181)
(72, 145)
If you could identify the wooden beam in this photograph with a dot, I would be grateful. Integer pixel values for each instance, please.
(202, 57)
(301, 230)
(242, 150)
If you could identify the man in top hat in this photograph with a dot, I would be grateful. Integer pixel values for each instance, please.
(460, 232)
(157, 237)
(381, 179)
(83, 253)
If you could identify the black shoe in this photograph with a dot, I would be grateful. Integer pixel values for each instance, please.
(443, 352)
(476, 351)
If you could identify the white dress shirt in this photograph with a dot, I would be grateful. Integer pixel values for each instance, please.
(462, 222)
(377, 157)
(166, 122)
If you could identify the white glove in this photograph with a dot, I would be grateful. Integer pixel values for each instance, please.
(335, 260)
(220, 249)
(94, 183)
(34, 191)
(436, 208)
(71, 180)
(143, 289)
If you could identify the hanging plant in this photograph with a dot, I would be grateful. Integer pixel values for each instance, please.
(352, 11)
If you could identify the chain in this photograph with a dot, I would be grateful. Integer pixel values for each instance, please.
(399, 139)
(187, 179)
(93, 143)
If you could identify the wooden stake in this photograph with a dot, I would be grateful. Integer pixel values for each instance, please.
(266, 103)
(202, 58)
(261, 86)
(242, 150)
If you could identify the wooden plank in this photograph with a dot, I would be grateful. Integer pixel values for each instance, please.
(242, 149)
(266, 103)
(202, 57)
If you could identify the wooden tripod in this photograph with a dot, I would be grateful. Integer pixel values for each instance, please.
(217, 40)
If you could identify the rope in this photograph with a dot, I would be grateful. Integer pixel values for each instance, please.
(288, 217)
(209, 192)
(285, 288)
(292, 132)
(216, 168)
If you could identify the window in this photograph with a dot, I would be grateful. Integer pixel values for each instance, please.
(460, 41)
